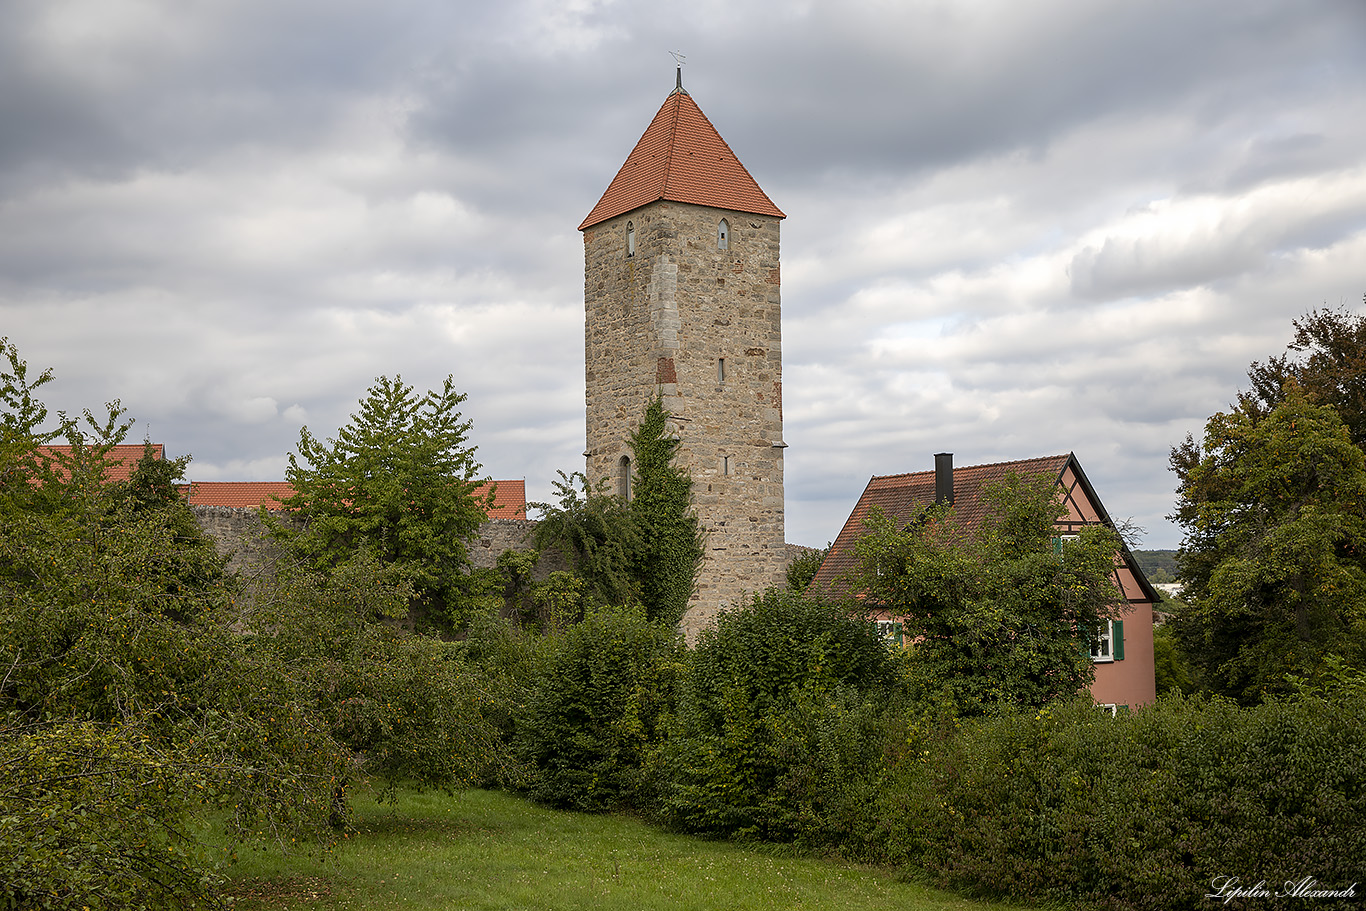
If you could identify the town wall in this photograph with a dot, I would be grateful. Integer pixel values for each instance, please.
(240, 534)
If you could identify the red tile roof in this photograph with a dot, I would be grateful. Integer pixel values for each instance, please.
(121, 460)
(681, 158)
(509, 501)
(903, 496)
(239, 494)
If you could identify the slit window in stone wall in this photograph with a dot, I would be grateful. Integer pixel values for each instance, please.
(630, 239)
(720, 370)
(624, 478)
(725, 465)
(723, 235)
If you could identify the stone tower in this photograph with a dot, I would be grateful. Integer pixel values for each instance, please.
(681, 299)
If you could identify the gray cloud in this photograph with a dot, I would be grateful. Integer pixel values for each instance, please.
(1013, 230)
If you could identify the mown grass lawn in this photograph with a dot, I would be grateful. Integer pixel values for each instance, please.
(488, 850)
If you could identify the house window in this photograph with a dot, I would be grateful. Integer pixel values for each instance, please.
(723, 235)
(1108, 643)
(624, 478)
(630, 239)
(890, 631)
(1060, 540)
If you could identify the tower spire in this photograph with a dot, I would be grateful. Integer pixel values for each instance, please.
(679, 59)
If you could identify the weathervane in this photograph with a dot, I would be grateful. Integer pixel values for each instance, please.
(679, 60)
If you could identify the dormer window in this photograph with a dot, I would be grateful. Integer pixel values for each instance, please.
(630, 239)
(723, 235)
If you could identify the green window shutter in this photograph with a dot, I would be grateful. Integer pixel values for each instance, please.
(1083, 645)
(1057, 546)
(1117, 640)
(896, 633)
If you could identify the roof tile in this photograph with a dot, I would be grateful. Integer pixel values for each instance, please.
(119, 461)
(903, 496)
(509, 500)
(681, 158)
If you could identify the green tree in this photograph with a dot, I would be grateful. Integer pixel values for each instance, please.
(1273, 506)
(399, 480)
(598, 533)
(1326, 360)
(803, 569)
(648, 550)
(1170, 672)
(995, 610)
(127, 700)
(670, 554)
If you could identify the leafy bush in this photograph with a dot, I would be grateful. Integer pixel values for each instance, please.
(406, 707)
(597, 534)
(593, 724)
(1171, 672)
(127, 698)
(503, 658)
(645, 549)
(1136, 812)
(94, 818)
(776, 711)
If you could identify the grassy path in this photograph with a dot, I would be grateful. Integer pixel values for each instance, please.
(487, 850)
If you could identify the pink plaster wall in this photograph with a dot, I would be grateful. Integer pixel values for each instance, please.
(1130, 682)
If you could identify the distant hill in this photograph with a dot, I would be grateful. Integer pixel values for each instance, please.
(1157, 565)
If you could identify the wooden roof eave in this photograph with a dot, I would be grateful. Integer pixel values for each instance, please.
(1129, 561)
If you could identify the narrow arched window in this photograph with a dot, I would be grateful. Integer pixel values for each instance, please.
(630, 239)
(624, 477)
(723, 235)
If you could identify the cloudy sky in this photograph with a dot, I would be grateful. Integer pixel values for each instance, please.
(1014, 229)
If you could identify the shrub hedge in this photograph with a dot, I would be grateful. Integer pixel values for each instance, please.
(1142, 811)
(775, 715)
(789, 722)
(593, 723)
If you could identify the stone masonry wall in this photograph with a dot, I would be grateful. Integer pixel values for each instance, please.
(661, 322)
(241, 535)
(498, 535)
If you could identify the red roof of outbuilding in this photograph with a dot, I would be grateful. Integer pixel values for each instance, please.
(239, 494)
(509, 501)
(119, 460)
(681, 158)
